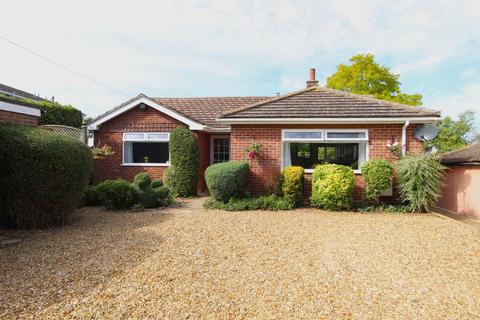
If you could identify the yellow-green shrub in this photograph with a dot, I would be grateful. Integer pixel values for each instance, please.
(292, 184)
(332, 187)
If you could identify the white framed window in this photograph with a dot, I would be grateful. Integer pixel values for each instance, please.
(146, 149)
(310, 147)
(219, 148)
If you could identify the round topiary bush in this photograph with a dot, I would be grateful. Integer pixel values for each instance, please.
(43, 175)
(185, 158)
(92, 196)
(142, 180)
(116, 194)
(226, 180)
(332, 187)
(378, 176)
(157, 183)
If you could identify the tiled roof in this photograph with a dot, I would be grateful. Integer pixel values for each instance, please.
(470, 154)
(206, 110)
(320, 102)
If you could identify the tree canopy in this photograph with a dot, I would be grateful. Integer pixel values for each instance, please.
(453, 134)
(365, 76)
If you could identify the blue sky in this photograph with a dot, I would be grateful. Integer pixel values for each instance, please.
(225, 48)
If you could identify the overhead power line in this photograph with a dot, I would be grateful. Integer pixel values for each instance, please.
(64, 67)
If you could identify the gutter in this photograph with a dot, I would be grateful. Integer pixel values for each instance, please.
(404, 137)
(365, 120)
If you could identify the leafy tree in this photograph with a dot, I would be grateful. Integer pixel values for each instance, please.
(453, 134)
(365, 76)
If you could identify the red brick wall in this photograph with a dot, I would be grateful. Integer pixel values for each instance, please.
(150, 120)
(18, 118)
(265, 170)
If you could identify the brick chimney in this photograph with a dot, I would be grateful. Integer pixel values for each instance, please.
(312, 82)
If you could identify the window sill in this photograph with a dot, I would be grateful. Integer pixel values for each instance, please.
(145, 165)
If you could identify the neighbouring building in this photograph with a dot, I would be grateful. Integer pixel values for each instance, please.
(461, 188)
(307, 127)
(14, 108)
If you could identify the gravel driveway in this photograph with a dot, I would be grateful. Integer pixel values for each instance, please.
(193, 263)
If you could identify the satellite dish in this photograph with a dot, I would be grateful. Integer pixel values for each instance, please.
(426, 132)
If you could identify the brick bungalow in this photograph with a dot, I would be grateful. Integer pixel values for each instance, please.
(307, 127)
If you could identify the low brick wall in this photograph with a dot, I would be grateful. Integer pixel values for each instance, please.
(18, 118)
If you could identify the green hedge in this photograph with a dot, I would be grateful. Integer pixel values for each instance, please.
(266, 202)
(332, 187)
(420, 181)
(185, 159)
(226, 180)
(43, 175)
(55, 113)
(378, 176)
(292, 184)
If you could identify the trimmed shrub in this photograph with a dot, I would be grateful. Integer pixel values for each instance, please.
(378, 176)
(92, 196)
(43, 175)
(267, 202)
(226, 180)
(55, 113)
(157, 183)
(185, 158)
(146, 195)
(332, 187)
(292, 184)
(420, 181)
(169, 179)
(116, 194)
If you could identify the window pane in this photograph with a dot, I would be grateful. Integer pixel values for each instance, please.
(157, 136)
(133, 136)
(150, 152)
(303, 135)
(221, 150)
(346, 135)
(308, 155)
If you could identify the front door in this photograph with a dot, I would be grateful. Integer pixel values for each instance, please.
(219, 149)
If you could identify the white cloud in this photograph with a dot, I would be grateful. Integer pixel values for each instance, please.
(167, 46)
(467, 98)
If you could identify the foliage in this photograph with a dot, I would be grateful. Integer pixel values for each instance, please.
(55, 113)
(43, 174)
(332, 187)
(419, 180)
(253, 150)
(292, 184)
(116, 194)
(226, 180)
(453, 134)
(365, 76)
(157, 183)
(378, 176)
(92, 196)
(146, 194)
(185, 158)
(266, 202)
(390, 208)
(102, 152)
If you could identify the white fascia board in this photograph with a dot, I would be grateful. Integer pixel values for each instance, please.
(327, 120)
(193, 125)
(18, 108)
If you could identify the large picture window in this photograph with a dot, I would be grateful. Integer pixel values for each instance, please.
(309, 148)
(146, 148)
